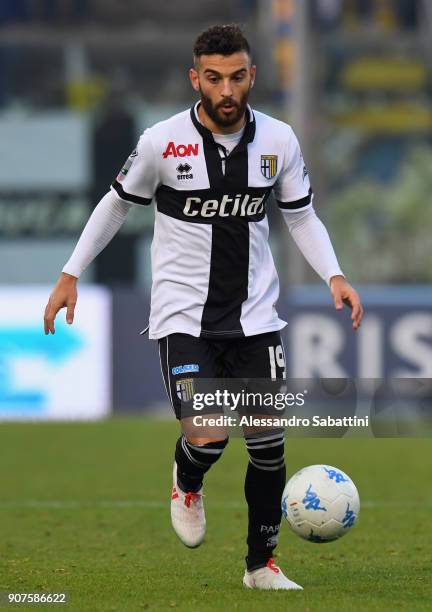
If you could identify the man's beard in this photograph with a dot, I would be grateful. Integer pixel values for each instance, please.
(220, 119)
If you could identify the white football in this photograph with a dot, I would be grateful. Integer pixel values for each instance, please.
(320, 503)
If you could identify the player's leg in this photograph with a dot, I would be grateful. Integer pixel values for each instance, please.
(183, 359)
(262, 357)
(195, 454)
(264, 485)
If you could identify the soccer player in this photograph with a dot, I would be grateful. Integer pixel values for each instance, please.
(210, 170)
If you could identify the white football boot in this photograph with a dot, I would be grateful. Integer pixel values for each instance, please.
(187, 514)
(269, 577)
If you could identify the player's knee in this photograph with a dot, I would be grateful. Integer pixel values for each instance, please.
(204, 441)
(203, 452)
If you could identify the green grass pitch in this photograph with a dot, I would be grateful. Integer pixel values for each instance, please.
(84, 508)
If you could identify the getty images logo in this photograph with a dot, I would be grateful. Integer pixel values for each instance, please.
(240, 206)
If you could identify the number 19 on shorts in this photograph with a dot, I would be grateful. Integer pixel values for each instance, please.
(277, 362)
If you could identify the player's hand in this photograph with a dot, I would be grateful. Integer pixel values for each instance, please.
(64, 295)
(343, 293)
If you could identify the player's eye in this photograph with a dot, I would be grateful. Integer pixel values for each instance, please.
(212, 79)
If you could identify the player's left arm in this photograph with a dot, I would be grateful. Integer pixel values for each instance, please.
(313, 240)
(295, 199)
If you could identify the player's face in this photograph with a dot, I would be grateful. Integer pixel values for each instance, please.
(224, 83)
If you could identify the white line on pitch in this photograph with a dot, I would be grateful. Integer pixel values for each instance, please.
(142, 503)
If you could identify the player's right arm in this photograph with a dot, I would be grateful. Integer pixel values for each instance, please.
(135, 184)
(64, 295)
(103, 224)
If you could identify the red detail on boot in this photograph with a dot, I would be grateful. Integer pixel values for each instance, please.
(270, 564)
(191, 497)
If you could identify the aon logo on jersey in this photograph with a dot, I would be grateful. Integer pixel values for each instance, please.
(241, 206)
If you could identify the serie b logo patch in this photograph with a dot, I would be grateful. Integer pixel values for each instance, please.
(269, 165)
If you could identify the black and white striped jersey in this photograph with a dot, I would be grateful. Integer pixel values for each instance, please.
(213, 274)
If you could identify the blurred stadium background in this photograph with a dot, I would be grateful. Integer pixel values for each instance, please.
(81, 79)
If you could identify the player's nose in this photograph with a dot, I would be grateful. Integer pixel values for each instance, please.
(226, 89)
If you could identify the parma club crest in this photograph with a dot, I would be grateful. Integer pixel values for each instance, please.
(185, 389)
(269, 165)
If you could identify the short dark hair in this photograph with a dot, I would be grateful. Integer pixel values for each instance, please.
(221, 40)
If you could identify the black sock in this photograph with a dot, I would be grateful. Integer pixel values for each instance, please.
(264, 485)
(194, 461)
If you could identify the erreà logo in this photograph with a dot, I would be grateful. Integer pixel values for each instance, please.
(181, 150)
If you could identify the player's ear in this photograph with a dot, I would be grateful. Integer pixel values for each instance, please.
(253, 74)
(193, 76)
